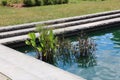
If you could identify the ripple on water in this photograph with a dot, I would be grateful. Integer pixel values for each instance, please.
(106, 71)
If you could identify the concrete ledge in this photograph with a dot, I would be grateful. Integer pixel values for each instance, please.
(56, 26)
(90, 26)
(19, 66)
(84, 21)
(4, 77)
(67, 30)
(16, 27)
(16, 33)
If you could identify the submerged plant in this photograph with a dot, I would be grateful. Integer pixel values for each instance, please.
(84, 45)
(84, 51)
(64, 51)
(81, 51)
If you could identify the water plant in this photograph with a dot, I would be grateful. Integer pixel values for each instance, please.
(84, 45)
(52, 49)
(44, 44)
(82, 51)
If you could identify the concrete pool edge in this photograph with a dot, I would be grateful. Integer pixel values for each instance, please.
(4, 77)
(19, 66)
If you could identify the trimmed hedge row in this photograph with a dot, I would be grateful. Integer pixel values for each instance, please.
(34, 2)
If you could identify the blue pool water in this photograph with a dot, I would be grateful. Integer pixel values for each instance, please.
(104, 64)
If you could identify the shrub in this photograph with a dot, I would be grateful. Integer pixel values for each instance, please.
(48, 2)
(51, 2)
(32, 2)
(38, 2)
(65, 1)
(4, 2)
(59, 1)
(29, 2)
(11, 2)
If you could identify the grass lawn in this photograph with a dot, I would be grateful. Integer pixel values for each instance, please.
(12, 16)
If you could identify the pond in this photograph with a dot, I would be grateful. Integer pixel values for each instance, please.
(104, 64)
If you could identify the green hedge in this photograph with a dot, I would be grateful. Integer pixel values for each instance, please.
(34, 2)
(10, 2)
(44, 2)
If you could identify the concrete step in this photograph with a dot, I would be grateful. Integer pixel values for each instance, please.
(67, 30)
(84, 21)
(56, 26)
(16, 27)
(56, 21)
(16, 33)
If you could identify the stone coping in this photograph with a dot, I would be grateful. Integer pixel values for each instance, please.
(19, 66)
(4, 77)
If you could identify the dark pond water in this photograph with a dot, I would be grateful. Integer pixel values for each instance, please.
(104, 64)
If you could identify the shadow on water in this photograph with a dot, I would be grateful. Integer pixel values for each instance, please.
(116, 37)
(115, 31)
(104, 31)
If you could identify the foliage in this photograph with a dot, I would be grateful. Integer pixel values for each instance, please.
(93, 0)
(45, 44)
(38, 2)
(64, 51)
(65, 1)
(29, 2)
(52, 49)
(4, 2)
(84, 46)
(33, 2)
(48, 2)
(82, 51)
(10, 2)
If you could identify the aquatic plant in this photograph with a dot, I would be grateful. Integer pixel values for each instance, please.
(84, 45)
(53, 49)
(45, 44)
(82, 51)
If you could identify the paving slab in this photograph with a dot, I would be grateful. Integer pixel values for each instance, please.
(19, 66)
(4, 77)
